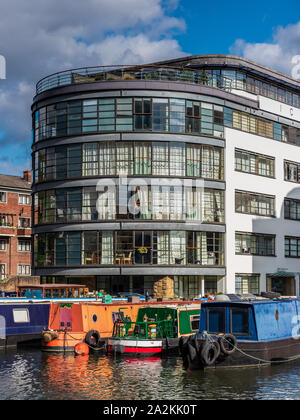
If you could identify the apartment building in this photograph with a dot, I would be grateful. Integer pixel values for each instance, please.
(186, 168)
(15, 225)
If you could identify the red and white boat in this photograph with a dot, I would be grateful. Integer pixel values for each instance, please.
(134, 346)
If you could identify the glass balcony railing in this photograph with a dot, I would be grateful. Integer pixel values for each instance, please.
(147, 73)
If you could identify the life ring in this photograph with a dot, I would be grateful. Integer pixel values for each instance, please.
(210, 352)
(228, 343)
(93, 338)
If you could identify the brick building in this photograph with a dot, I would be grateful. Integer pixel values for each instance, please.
(15, 225)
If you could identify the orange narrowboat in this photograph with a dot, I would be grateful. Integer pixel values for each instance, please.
(89, 322)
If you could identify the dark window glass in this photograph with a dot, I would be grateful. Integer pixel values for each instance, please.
(240, 321)
(216, 320)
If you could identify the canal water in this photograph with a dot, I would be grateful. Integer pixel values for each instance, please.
(31, 374)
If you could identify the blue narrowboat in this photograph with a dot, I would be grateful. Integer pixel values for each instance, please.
(22, 322)
(244, 333)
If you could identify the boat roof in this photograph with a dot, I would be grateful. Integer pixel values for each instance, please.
(258, 301)
(175, 306)
(52, 286)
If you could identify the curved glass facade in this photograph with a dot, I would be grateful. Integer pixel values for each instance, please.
(158, 115)
(129, 158)
(142, 202)
(127, 247)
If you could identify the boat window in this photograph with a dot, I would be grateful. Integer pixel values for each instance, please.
(95, 318)
(239, 321)
(216, 320)
(117, 316)
(21, 315)
(195, 319)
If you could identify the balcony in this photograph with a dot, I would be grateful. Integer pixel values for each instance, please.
(133, 73)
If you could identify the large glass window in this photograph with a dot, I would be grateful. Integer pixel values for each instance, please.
(129, 158)
(292, 171)
(256, 204)
(247, 283)
(291, 209)
(292, 247)
(255, 244)
(254, 163)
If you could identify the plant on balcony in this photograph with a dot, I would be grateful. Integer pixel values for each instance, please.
(142, 250)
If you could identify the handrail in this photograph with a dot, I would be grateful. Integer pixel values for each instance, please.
(133, 72)
(144, 329)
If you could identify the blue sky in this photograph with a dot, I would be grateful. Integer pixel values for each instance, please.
(60, 34)
(214, 26)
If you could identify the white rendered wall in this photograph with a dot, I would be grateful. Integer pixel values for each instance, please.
(248, 223)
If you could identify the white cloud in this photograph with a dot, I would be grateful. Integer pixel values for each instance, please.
(44, 37)
(277, 54)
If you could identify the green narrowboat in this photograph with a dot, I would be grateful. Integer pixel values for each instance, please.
(156, 330)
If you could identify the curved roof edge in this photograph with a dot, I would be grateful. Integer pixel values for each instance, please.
(232, 61)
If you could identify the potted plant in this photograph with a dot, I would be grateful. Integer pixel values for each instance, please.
(142, 250)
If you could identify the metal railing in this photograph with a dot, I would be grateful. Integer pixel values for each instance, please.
(145, 72)
(144, 330)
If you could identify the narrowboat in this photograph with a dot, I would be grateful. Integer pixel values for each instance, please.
(22, 322)
(157, 329)
(244, 333)
(91, 322)
(24, 316)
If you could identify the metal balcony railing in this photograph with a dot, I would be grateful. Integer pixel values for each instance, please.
(136, 72)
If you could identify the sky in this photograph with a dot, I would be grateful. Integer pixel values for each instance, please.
(40, 37)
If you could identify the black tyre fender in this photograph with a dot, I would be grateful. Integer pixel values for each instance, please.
(192, 352)
(93, 338)
(209, 353)
(228, 343)
(183, 345)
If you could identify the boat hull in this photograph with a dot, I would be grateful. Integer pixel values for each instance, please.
(65, 342)
(22, 323)
(135, 347)
(247, 354)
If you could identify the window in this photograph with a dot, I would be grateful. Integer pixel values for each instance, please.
(24, 270)
(124, 114)
(195, 320)
(3, 197)
(160, 158)
(255, 244)
(24, 222)
(24, 199)
(107, 114)
(21, 315)
(160, 114)
(239, 318)
(3, 244)
(247, 283)
(2, 271)
(291, 209)
(124, 161)
(142, 158)
(68, 205)
(256, 204)
(292, 171)
(143, 114)
(90, 116)
(24, 245)
(253, 163)
(177, 115)
(205, 248)
(292, 247)
(215, 320)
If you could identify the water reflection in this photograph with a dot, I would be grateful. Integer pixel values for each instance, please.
(36, 375)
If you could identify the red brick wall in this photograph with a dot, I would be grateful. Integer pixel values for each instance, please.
(12, 257)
